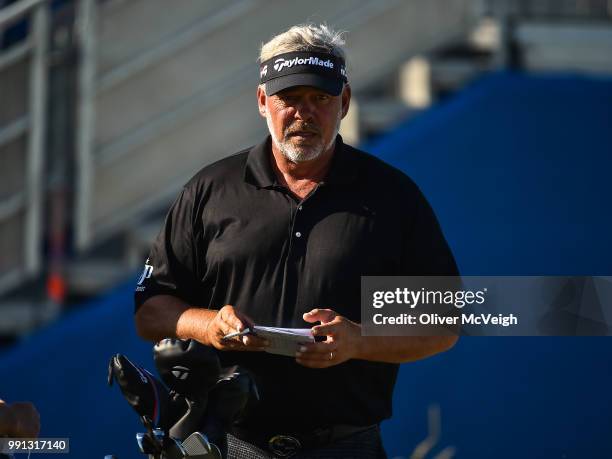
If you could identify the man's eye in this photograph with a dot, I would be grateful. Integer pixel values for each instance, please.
(323, 97)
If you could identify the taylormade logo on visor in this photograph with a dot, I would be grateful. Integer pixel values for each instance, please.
(281, 63)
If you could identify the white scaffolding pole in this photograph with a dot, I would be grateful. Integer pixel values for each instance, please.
(38, 104)
(86, 121)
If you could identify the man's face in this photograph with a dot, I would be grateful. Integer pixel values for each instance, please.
(303, 121)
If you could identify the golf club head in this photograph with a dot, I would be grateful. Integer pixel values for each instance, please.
(186, 366)
(145, 393)
(233, 396)
(197, 446)
(150, 442)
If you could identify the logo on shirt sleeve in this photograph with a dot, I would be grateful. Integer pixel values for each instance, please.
(146, 273)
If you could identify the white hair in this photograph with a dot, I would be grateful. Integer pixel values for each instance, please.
(305, 37)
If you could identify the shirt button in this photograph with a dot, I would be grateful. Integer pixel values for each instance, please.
(298, 234)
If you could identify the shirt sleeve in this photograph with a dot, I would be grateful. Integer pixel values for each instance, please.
(171, 268)
(426, 252)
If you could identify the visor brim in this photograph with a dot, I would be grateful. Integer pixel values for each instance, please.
(331, 86)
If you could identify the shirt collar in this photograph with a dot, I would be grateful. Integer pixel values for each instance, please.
(258, 170)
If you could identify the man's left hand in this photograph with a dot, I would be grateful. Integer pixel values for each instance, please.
(343, 340)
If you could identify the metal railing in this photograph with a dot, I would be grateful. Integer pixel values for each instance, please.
(29, 200)
(90, 85)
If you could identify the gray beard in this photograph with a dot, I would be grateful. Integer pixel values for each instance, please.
(300, 154)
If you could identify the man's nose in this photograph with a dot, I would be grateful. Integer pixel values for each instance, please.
(304, 110)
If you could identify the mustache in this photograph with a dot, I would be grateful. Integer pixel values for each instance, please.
(309, 128)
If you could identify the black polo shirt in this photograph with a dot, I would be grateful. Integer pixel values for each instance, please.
(236, 236)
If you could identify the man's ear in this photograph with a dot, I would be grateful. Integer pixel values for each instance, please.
(261, 100)
(346, 99)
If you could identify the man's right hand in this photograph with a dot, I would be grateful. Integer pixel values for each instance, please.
(19, 420)
(226, 321)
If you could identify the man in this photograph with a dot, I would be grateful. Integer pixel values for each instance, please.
(280, 235)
